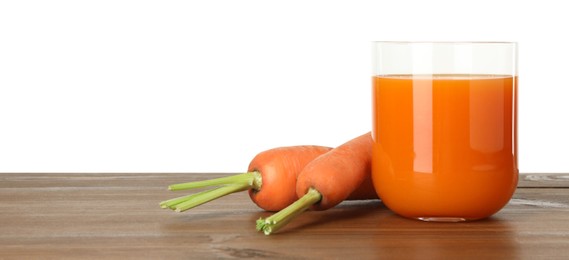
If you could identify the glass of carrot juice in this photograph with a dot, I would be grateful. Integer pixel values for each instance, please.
(445, 128)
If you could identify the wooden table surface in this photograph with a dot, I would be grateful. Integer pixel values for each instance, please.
(71, 216)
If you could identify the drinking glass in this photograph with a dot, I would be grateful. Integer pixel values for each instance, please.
(445, 128)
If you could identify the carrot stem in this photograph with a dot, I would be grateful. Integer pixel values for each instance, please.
(253, 179)
(171, 203)
(228, 185)
(210, 195)
(281, 218)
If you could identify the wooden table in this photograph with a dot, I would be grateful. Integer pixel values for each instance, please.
(60, 216)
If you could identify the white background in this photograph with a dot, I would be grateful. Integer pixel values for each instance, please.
(202, 86)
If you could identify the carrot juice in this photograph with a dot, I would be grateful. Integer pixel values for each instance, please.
(445, 145)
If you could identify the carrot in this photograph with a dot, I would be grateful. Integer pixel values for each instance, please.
(328, 180)
(270, 180)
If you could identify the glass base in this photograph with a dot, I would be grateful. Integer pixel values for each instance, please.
(441, 219)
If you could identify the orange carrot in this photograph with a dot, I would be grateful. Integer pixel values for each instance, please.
(271, 180)
(328, 180)
(279, 168)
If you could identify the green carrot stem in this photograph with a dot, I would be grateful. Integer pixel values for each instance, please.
(253, 179)
(171, 203)
(281, 218)
(210, 195)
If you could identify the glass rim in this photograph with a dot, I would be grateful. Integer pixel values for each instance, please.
(444, 57)
(446, 42)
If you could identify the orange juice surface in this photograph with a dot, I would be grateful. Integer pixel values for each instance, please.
(445, 145)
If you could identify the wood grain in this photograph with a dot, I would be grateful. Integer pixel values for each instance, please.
(116, 216)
